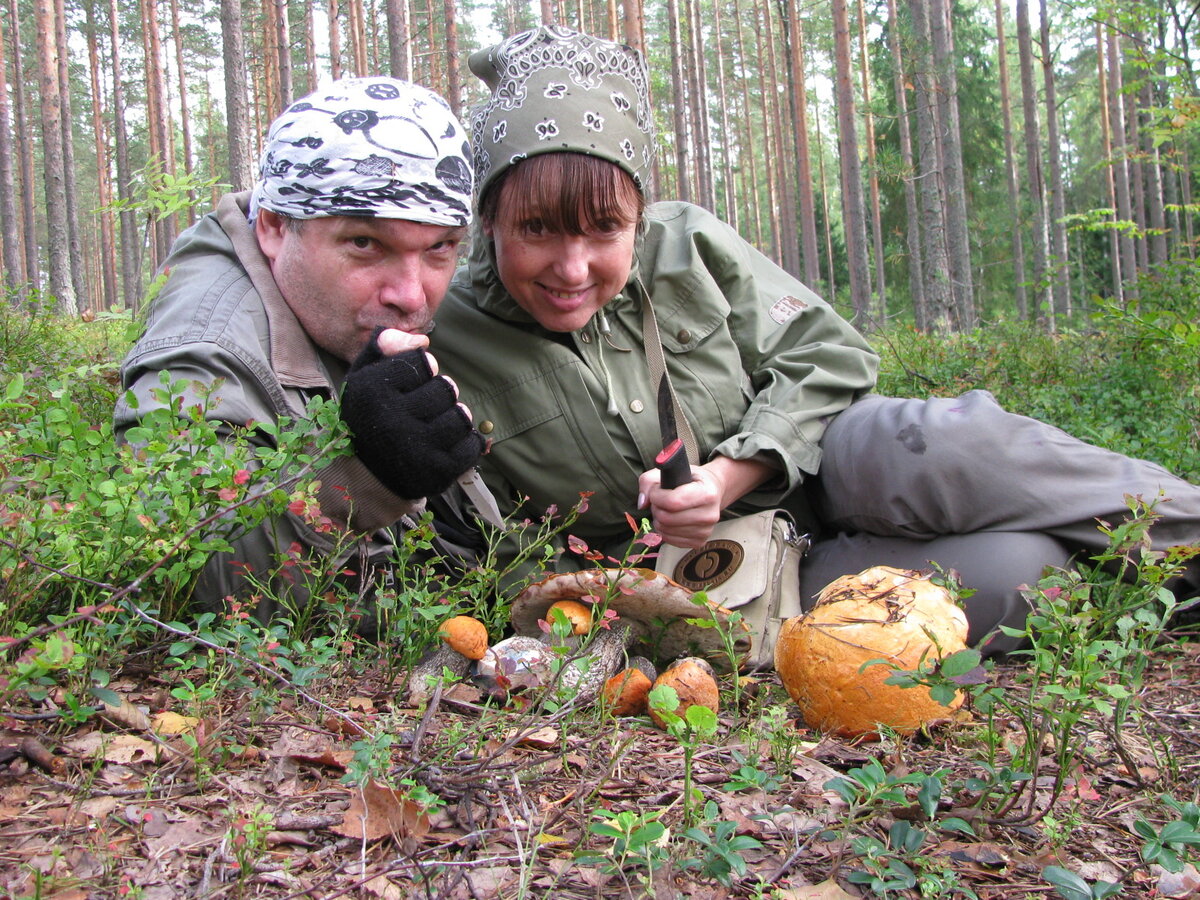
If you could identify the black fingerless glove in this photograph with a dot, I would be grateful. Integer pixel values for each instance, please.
(406, 424)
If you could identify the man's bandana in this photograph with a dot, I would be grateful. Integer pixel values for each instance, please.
(367, 147)
(555, 90)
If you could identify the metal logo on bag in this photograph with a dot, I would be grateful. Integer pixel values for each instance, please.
(710, 565)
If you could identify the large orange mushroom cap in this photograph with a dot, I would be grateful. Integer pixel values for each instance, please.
(896, 615)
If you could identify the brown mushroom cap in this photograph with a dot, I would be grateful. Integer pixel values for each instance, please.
(694, 684)
(654, 605)
(896, 615)
(578, 614)
(465, 634)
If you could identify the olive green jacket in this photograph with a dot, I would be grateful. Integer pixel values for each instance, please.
(220, 319)
(759, 362)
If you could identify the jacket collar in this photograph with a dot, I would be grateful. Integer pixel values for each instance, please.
(295, 359)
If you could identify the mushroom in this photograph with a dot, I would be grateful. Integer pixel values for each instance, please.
(626, 692)
(694, 684)
(463, 639)
(882, 613)
(577, 614)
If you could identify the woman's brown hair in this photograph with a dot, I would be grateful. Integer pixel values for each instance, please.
(571, 193)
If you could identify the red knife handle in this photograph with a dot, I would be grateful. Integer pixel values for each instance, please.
(673, 463)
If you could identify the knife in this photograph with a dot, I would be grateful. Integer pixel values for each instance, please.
(672, 460)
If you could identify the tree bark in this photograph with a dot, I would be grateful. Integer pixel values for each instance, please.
(1057, 226)
(58, 235)
(872, 171)
(958, 237)
(21, 125)
(131, 281)
(939, 298)
(912, 233)
(679, 104)
(1120, 162)
(237, 114)
(283, 42)
(853, 220)
(185, 117)
(108, 265)
(1040, 305)
(1010, 167)
(804, 186)
(770, 157)
(454, 80)
(728, 209)
(399, 54)
(70, 197)
(10, 225)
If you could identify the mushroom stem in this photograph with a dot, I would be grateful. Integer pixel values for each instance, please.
(445, 657)
(606, 654)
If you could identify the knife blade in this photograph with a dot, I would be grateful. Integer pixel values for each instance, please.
(672, 460)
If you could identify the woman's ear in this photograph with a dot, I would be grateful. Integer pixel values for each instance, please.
(487, 227)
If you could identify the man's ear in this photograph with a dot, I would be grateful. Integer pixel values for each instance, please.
(269, 228)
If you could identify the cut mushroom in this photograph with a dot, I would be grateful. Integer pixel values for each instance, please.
(656, 608)
(464, 639)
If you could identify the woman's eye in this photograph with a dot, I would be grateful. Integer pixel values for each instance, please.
(534, 227)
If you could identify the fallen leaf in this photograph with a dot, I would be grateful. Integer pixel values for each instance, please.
(126, 748)
(380, 886)
(542, 739)
(982, 854)
(362, 704)
(337, 759)
(377, 811)
(826, 890)
(128, 715)
(173, 723)
(1184, 883)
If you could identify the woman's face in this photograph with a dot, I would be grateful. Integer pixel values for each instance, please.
(558, 277)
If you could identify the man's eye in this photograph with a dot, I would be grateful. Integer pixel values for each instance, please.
(362, 242)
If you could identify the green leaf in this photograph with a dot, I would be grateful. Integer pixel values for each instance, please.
(1067, 883)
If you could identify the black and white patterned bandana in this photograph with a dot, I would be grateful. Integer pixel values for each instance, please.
(555, 89)
(367, 147)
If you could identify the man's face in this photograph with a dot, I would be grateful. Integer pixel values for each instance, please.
(343, 276)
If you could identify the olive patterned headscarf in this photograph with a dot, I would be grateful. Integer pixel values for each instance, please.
(554, 90)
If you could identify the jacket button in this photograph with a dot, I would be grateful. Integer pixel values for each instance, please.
(684, 336)
(636, 405)
(486, 427)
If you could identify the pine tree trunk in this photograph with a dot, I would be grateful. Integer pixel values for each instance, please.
(749, 171)
(131, 279)
(237, 113)
(728, 209)
(10, 225)
(912, 233)
(108, 265)
(399, 53)
(58, 235)
(767, 140)
(935, 267)
(185, 117)
(335, 39)
(454, 81)
(1120, 162)
(853, 218)
(880, 313)
(307, 82)
(698, 93)
(830, 275)
(71, 194)
(283, 39)
(21, 125)
(958, 237)
(804, 186)
(1010, 167)
(786, 239)
(1040, 305)
(678, 104)
(1057, 226)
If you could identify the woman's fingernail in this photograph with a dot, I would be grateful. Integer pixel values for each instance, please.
(641, 504)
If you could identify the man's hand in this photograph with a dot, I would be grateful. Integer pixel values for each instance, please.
(406, 423)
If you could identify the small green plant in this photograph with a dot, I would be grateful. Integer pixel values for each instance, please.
(638, 842)
(749, 777)
(246, 841)
(721, 847)
(697, 725)
(1177, 842)
(1073, 887)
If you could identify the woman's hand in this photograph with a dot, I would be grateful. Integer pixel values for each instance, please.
(685, 515)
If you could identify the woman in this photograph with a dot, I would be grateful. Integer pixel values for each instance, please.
(544, 333)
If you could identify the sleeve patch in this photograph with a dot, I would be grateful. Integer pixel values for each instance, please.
(785, 308)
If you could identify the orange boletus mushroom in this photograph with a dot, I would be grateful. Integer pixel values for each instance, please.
(694, 684)
(578, 614)
(466, 635)
(626, 692)
(896, 615)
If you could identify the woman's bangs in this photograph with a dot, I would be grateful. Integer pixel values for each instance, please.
(571, 193)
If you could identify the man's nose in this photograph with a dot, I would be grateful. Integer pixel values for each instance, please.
(574, 259)
(403, 287)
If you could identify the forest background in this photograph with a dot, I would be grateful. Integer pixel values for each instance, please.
(943, 163)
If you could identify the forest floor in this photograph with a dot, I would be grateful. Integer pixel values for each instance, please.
(248, 799)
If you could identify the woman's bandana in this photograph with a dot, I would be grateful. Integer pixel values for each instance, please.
(555, 90)
(367, 147)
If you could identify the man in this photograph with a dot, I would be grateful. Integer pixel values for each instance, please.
(321, 282)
